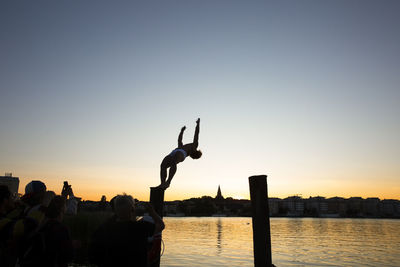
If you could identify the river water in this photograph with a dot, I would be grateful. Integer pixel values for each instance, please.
(225, 241)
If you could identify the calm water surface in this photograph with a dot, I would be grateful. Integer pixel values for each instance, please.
(208, 241)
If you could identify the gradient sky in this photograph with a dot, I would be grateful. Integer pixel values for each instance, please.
(307, 92)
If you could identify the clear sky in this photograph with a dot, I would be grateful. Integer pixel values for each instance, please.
(307, 92)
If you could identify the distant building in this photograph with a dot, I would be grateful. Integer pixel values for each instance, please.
(371, 206)
(390, 208)
(171, 207)
(355, 206)
(337, 206)
(219, 194)
(10, 181)
(317, 205)
(273, 204)
(294, 206)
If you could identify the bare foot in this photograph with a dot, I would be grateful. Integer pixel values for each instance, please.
(163, 185)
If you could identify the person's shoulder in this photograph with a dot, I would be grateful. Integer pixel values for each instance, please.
(139, 224)
(143, 223)
(146, 226)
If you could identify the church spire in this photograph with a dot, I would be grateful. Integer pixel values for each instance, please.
(219, 194)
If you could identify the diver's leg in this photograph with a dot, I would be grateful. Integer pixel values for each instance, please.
(163, 170)
(163, 173)
(172, 171)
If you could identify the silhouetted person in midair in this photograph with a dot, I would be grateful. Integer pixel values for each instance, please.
(178, 155)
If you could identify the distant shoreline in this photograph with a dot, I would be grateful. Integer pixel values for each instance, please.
(290, 207)
(289, 217)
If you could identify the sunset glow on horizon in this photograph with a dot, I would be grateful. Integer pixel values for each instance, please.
(95, 93)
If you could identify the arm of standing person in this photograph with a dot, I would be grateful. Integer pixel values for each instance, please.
(196, 134)
(158, 222)
(180, 144)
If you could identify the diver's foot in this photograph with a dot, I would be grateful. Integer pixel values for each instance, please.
(163, 186)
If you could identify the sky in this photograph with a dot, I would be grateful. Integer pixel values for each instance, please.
(305, 92)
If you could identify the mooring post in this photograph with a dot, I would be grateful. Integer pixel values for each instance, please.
(157, 201)
(260, 218)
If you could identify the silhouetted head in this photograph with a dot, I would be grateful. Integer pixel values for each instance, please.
(56, 208)
(124, 206)
(196, 154)
(34, 193)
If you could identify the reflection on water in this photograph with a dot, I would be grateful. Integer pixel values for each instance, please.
(219, 236)
(295, 242)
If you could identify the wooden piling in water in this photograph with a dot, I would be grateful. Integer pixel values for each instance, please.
(157, 201)
(260, 219)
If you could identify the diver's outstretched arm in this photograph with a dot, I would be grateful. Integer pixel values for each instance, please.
(196, 133)
(180, 144)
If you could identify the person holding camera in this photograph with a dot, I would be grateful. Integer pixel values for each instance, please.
(71, 202)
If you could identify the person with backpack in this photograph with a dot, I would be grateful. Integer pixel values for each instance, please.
(26, 218)
(32, 212)
(51, 245)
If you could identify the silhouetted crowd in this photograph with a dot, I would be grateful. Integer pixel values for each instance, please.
(32, 232)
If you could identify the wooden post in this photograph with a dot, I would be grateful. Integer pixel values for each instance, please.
(261, 227)
(157, 201)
